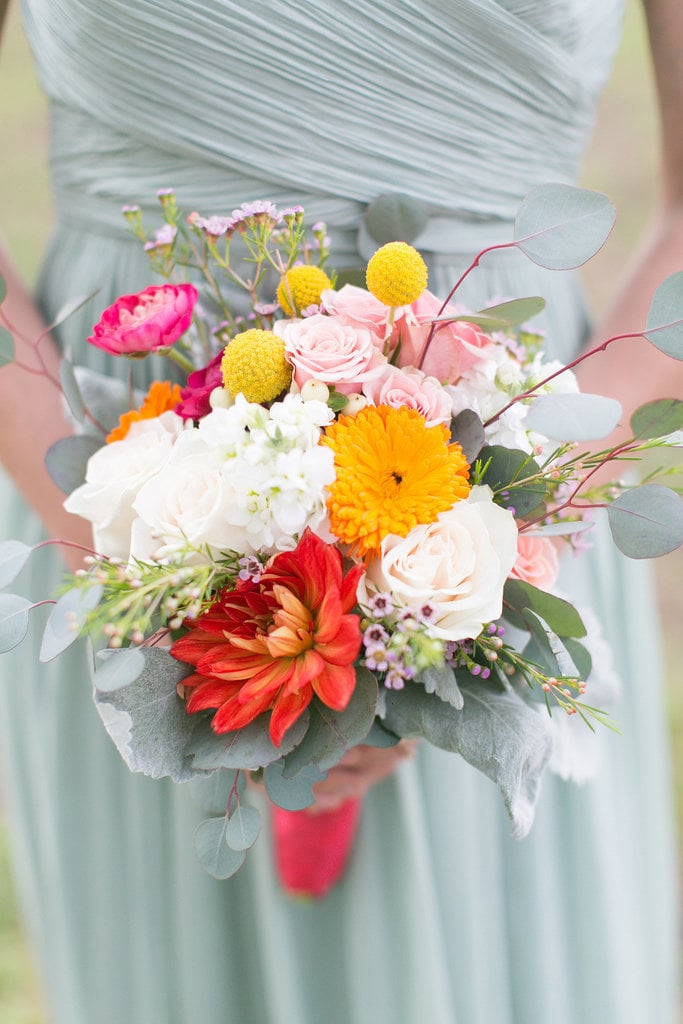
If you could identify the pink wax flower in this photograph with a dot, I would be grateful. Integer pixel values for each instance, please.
(453, 347)
(194, 398)
(329, 349)
(155, 318)
(537, 561)
(411, 388)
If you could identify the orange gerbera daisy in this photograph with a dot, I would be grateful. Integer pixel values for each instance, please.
(161, 397)
(392, 473)
(269, 646)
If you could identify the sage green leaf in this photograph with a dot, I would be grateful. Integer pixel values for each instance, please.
(293, 793)
(560, 661)
(468, 430)
(106, 398)
(395, 218)
(351, 275)
(665, 318)
(147, 719)
(658, 419)
(6, 347)
(647, 522)
(13, 557)
(248, 748)
(71, 307)
(500, 317)
(561, 529)
(580, 655)
(560, 616)
(118, 668)
(441, 680)
(67, 460)
(561, 227)
(331, 733)
(574, 416)
(3, 289)
(505, 466)
(496, 732)
(380, 737)
(212, 849)
(71, 390)
(67, 619)
(243, 828)
(13, 620)
(212, 793)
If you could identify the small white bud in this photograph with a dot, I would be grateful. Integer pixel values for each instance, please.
(315, 391)
(220, 398)
(354, 405)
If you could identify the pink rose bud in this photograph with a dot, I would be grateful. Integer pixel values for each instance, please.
(152, 319)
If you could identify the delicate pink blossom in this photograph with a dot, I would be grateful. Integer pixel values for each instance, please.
(149, 320)
(537, 561)
(411, 388)
(358, 308)
(453, 347)
(328, 349)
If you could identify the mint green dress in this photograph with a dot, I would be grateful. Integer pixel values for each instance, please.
(464, 105)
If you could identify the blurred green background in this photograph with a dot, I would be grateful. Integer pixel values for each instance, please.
(622, 162)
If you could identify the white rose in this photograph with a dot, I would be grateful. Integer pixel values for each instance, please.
(114, 476)
(458, 565)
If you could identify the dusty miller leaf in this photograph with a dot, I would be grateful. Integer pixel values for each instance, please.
(441, 680)
(248, 748)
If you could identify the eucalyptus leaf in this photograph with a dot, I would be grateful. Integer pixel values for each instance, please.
(351, 275)
(243, 828)
(211, 793)
(67, 619)
(71, 390)
(561, 616)
(516, 311)
(3, 289)
(441, 680)
(665, 318)
(468, 430)
(505, 466)
(561, 529)
(574, 416)
(67, 460)
(147, 719)
(659, 418)
(106, 398)
(249, 748)
(646, 522)
(487, 323)
(561, 227)
(71, 307)
(118, 669)
(6, 347)
(13, 557)
(292, 793)
(395, 217)
(379, 736)
(331, 733)
(212, 849)
(14, 612)
(496, 732)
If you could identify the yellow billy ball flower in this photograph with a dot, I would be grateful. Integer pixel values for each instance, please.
(254, 365)
(396, 274)
(302, 287)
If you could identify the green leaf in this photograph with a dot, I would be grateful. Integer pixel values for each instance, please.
(559, 659)
(395, 218)
(574, 416)
(13, 620)
(71, 307)
(505, 465)
(243, 828)
(212, 849)
(496, 732)
(3, 289)
(441, 680)
(380, 737)
(516, 311)
(580, 655)
(561, 227)
(331, 733)
(147, 719)
(658, 419)
(647, 522)
(468, 430)
(352, 275)
(211, 793)
(106, 397)
(561, 529)
(13, 557)
(248, 748)
(292, 793)
(118, 669)
(6, 347)
(67, 619)
(560, 616)
(665, 319)
(71, 390)
(337, 401)
(67, 460)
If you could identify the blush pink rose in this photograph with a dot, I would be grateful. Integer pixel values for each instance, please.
(453, 347)
(412, 388)
(149, 320)
(329, 349)
(359, 308)
(537, 561)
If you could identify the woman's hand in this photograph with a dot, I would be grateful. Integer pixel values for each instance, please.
(359, 770)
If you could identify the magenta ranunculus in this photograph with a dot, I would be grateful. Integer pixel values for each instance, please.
(194, 399)
(149, 320)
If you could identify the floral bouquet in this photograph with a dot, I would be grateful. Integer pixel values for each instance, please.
(338, 521)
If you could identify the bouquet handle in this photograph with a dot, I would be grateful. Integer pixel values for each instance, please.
(312, 850)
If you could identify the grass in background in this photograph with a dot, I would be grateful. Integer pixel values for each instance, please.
(626, 171)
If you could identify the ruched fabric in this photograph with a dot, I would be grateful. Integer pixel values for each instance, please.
(463, 105)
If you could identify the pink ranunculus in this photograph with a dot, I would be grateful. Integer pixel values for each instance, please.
(329, 349)
(453, 347)
(537, 561)
(412, 388)
(359, 308)
(194, 399)
(149, 320)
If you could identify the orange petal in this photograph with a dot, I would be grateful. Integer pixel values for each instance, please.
(286, 710)
(335, 685)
